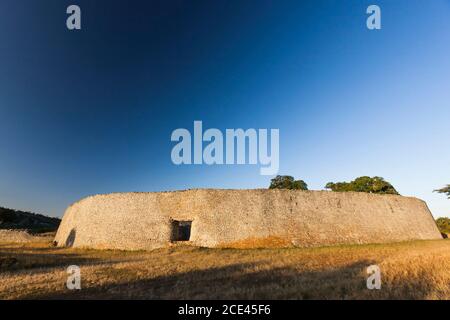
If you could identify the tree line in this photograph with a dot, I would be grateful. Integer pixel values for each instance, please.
(367, 184)
(361, 184)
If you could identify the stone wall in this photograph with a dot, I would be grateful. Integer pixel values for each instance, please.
(134, 221)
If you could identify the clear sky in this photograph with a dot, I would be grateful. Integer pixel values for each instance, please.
(91, 111)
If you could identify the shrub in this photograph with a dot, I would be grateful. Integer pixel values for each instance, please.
(443, 225)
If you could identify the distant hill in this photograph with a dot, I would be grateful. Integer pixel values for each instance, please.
(32, 222)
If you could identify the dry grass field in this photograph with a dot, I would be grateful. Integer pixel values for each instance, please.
(410, 270)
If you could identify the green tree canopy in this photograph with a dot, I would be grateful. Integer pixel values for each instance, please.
(445, 190)
(287, 182)
(363, 184)
(443, 225)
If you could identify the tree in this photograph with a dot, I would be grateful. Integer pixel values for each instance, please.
(445, 190)
(443, 225)
(363, 184)
(287, 182)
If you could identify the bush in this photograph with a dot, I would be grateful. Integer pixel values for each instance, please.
(443, 225)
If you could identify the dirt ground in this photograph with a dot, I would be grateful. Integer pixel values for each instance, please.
(409, 270)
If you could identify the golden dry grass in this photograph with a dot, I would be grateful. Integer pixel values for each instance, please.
(410, 270)
(252, 243)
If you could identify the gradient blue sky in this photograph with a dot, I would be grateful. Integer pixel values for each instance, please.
(92, 111)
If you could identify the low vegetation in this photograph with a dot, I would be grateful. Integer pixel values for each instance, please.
(443, 225)
(409, 270)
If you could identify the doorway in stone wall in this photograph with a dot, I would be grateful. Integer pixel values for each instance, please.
(181, 230)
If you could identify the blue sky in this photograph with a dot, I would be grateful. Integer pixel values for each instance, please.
(92, 111)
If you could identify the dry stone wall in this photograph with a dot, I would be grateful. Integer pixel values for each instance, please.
(134, 221)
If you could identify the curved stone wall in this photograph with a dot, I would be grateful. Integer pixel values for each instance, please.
(133, 221)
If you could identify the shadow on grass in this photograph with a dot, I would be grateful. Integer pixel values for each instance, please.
(43, 260)
(249, 281)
